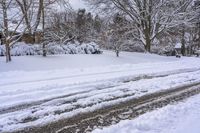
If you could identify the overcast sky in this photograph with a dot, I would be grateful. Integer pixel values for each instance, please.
(76, 4)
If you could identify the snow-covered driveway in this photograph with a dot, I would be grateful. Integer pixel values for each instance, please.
(32, 98)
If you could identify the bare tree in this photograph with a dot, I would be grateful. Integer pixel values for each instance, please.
(61, 27)
(33, 11)
(12, 30)
(149, 17)
(117, 35)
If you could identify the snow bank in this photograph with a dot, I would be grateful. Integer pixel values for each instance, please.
(181, 118)
(22, 49)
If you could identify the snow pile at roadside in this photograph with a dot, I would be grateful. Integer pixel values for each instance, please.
(183, 117)
(22, 49)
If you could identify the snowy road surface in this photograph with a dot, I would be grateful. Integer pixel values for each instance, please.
(179, 118)
(33, 98)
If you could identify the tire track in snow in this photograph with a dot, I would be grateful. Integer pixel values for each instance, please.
(84, 108)
(85, 75)
(88, 121)
(94, 88)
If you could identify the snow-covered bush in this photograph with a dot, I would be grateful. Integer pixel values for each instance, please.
(74, 48)
(22, 49)
(53, 48)
(133, 46)
(163, 50)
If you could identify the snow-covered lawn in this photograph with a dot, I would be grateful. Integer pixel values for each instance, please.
(181, 118)
(61, 86)
(80, 61)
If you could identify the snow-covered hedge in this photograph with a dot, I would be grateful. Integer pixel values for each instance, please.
(21, 49)
(161, 50)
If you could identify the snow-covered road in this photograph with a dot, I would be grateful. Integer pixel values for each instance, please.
(25, 87)
(33, 98)
(178, 118)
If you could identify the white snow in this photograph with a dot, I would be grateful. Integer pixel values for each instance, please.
(37, 63)
(178, 118)
(87, 80)
(23, 49)
(178, 45)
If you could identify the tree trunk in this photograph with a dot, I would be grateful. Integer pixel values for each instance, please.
(1, 41)
(148, 45)
(183, 48)
(38, 18)
(44, 50)
(8, 55)
(43, 28)
(117, 53)
(6, 33)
